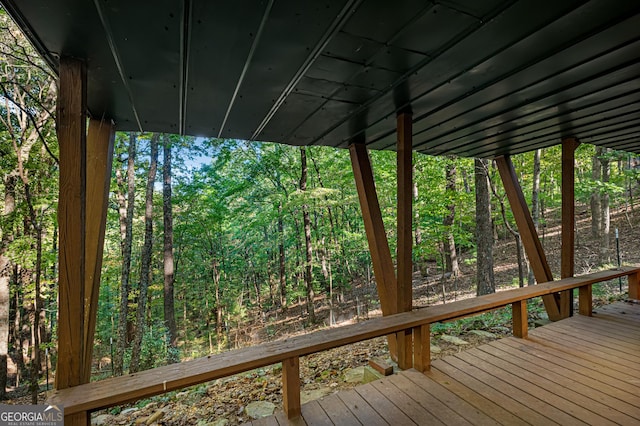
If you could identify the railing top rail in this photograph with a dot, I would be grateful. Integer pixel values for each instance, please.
(124, 389)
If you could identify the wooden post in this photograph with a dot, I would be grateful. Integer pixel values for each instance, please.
(585, 301)
(634, 286)
(78, 419)
(99, 159)
(71, 128)
(567, 268)
(405, 236)
(422, 348)
(291, 387)
(520, 320)
(374, 228)
(527, 231)
(376, 236)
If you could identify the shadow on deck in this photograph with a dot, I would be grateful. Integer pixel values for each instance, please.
(581, 370)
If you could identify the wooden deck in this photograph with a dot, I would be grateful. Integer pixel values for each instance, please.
(582, 370)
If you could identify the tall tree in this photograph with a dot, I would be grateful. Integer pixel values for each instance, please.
(308, 274)
(145, 269)
(126, 259)
(484, 234)
(5, 277)
(168, 264)
(605, 219)
(450, 253)
(27, 99)
(535, 201)
(596, 202)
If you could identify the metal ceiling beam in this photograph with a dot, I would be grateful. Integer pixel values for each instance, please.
(247, 64)
(117, 60)
(342, 17)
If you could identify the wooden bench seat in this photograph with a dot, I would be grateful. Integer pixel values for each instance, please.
(124, 389)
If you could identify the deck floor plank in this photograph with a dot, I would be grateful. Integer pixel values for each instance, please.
(404, 402)
(613, 368)
(484, 398)
(337, 411)
(282, 419)
(314, 415)
(508, 387)
(607, 336)
(365, 413)
(585, 395)
(620, 309)
(574, 369)
(439, 410)
(564, 409)
(628, 335)
(387, 410)
(452, 401)
(578, 371)
(582, 343)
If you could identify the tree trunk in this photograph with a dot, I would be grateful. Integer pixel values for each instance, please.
(216, 283)
(535, 202)
(308, 275)
(145, 269)
(126, 260)
(605, 218)
(37, 306)
(281, 258)
(484, 235)
(450, 253)
(596, 209)
(168, 264)
(122, 207)
(5, 278)
(514, 232)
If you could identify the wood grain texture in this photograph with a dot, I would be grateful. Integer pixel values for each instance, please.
(567, 256)
(567, 264)
(510, 381)
(634, 286)
(374, 228)
(291, 387)
(71, 130)
(422, 348)
(527, 230)
(77, 419)
(100, 141)
(119, 390)
(383, 268)
(404, 282)
(520, 320)
(585, 300)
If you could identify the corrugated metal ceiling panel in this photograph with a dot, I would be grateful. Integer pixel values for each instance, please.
(482, 78)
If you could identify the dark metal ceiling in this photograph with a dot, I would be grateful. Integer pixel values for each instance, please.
(482, 78)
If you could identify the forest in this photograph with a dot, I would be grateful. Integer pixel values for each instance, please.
(214, 244)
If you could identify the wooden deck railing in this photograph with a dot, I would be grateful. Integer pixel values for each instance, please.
(79, 401)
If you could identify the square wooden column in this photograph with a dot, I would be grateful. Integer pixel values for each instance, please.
(85, 174)
(567, 267)
(71, 129)
(527, 230)
(404, 226)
